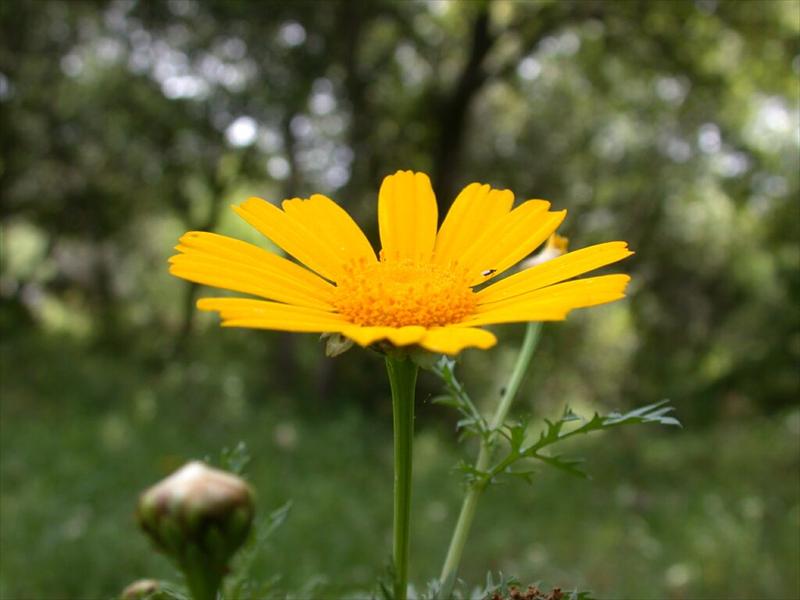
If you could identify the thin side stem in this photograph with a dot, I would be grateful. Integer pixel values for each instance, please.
(403, 379)
(465, 518)
(529, 343)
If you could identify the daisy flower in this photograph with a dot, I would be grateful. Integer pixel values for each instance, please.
(426, 287)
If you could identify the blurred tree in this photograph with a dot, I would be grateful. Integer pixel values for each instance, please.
(672, 125)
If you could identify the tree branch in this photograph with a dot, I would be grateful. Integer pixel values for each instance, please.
(454, 109)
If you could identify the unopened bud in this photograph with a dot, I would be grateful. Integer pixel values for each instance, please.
(556, 246)
(141, 589)
(198, 515)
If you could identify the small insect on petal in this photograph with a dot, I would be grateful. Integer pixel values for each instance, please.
(488, 272)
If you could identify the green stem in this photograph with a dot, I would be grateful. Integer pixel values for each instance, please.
(450, 568)
(202, 579)
(402, 378)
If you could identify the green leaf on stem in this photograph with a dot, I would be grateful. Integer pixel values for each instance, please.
(471, 423)
(241, 583)
(564, 428)
(502, 588)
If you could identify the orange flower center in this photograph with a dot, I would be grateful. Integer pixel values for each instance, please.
(399, 293)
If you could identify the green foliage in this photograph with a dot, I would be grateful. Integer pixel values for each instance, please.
(245, 581)
(235, 459)
(497, 587)
(169, 591)
(502, 587)
(721, 497)
(516, 434)
(471, 421)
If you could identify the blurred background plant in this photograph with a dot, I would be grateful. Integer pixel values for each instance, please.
(672, 125)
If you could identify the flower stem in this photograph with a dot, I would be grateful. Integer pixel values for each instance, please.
(202, 579)
(402, 378)
(450, 568)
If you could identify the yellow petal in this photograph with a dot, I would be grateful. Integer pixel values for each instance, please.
(227, 247)
(552, 303)
(260, 314)
(452, 340)
(475, 209)
(555, 270)
(298, 238)
(226, 263)
(509, 239)
(335, 228)
(399, 336)
(407, 216)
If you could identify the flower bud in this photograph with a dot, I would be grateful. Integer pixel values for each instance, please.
(199, 516)
(556, 246)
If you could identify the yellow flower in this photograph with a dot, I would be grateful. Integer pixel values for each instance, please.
(425, 287)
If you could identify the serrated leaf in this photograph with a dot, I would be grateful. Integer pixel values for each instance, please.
(470, 472)
(235, 459)
(445, 401)
(242, 576)
(526, 476)
(276, 518)
(385, 582)
(576, 595)
(569, 465)
(569, 415)
(554, 432)
(168, 590)
(472, 422)
(517, 433)
(463, 423)
(502, 587)
(386, 593)
(432, 591)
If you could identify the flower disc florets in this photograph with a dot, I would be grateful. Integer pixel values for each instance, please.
(404, 292)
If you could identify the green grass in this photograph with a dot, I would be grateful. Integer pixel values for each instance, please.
(684, 514)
